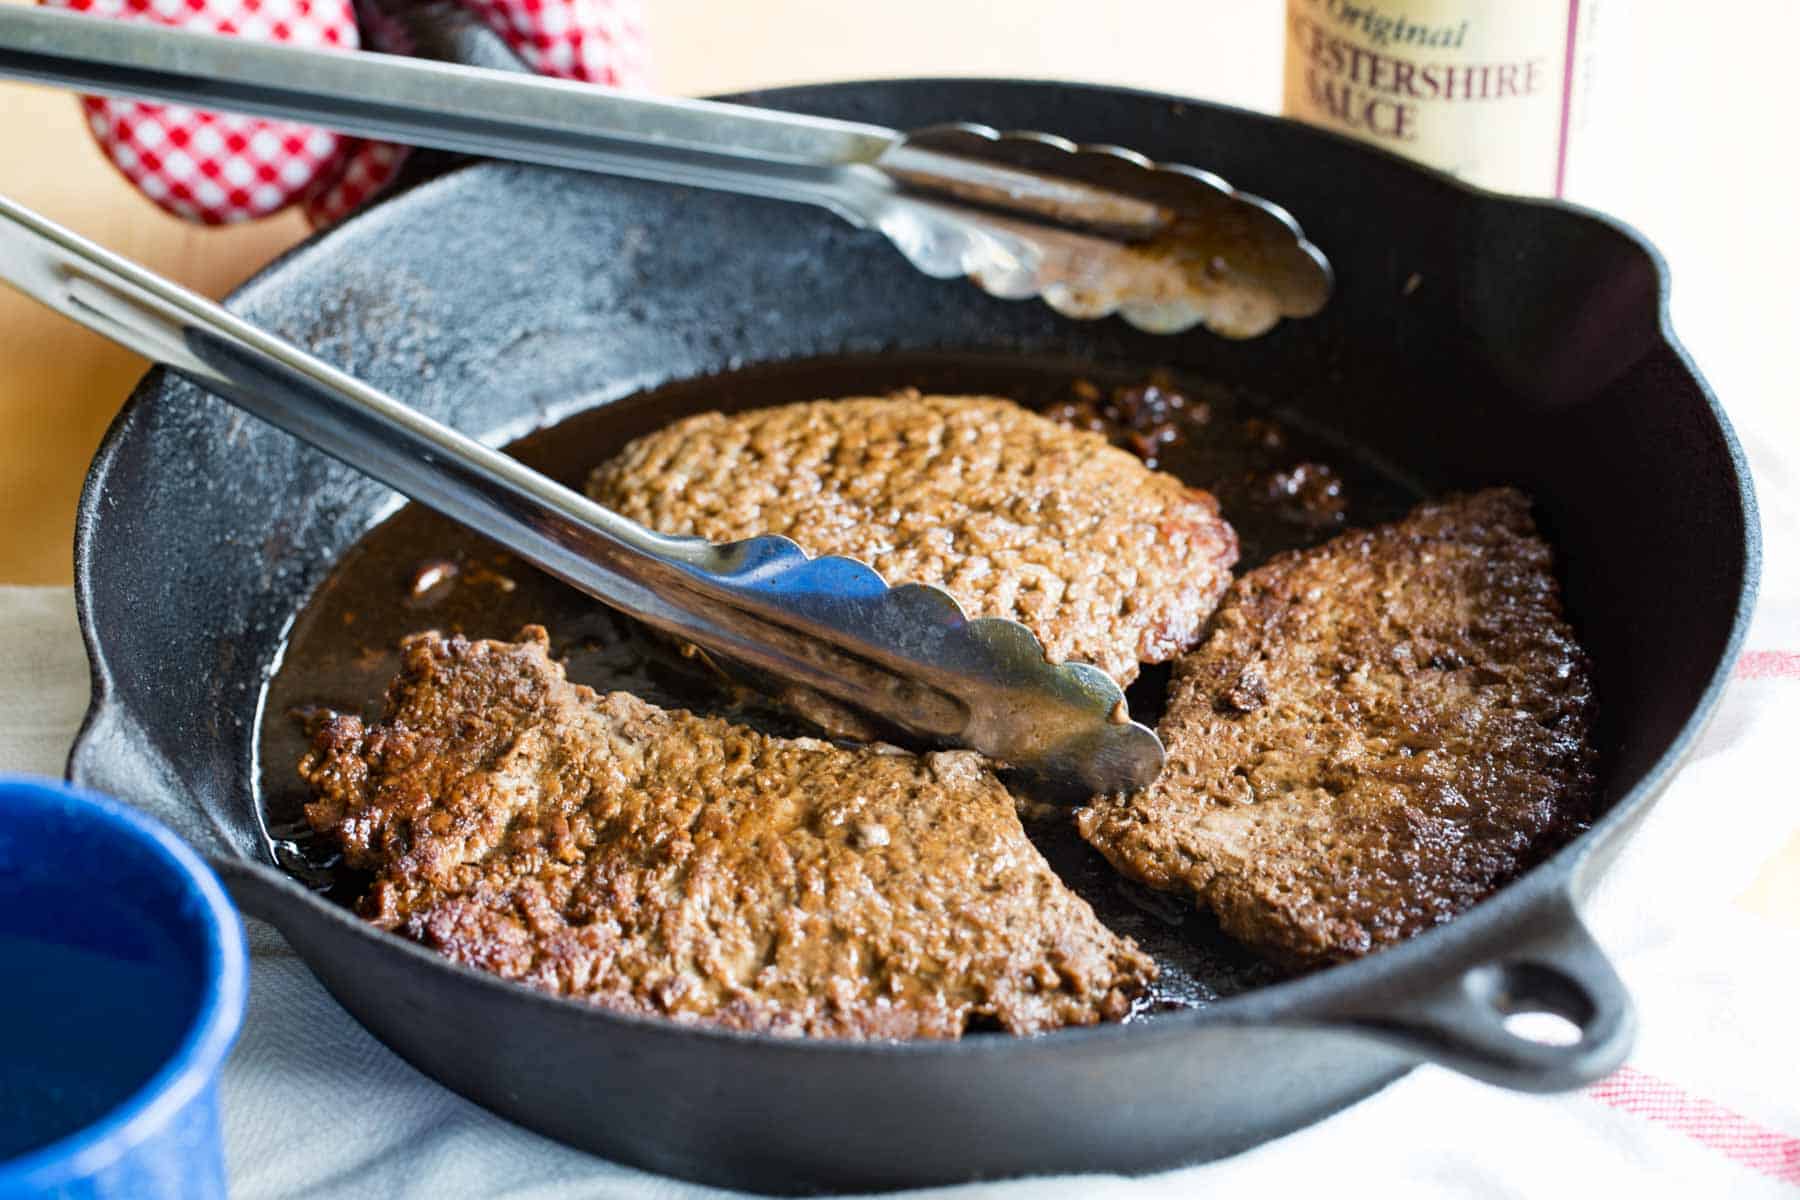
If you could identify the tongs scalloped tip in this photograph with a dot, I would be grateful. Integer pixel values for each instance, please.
(1166, 246)
(982, 682)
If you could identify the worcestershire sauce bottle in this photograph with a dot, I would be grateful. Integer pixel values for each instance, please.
(1492, 91)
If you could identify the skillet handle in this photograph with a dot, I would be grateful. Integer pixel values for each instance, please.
(1459, 1017)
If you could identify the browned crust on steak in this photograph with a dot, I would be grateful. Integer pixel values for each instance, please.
(1016, 516)
(1375, 734)
(657, 862)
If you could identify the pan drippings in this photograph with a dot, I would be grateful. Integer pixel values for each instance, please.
(1279, 487)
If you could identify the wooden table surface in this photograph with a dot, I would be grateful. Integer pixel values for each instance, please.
(1686, 144)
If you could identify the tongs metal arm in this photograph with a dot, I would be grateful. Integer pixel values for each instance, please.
(1091, 229)
(907, 655)
(559, 529)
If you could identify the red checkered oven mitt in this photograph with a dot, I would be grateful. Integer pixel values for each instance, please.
(220, 167)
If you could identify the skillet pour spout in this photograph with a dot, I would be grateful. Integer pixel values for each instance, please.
(1545, 324)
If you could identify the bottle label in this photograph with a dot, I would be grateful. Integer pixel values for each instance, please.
(1479, 88)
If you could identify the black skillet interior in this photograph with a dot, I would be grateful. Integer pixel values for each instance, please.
(419, 570)
(1471, 341)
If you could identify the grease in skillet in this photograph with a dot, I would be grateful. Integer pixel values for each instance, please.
(1279, 487)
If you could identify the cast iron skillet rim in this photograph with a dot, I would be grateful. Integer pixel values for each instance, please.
(1556, 877)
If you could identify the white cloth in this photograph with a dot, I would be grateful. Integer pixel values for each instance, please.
(315, 1107)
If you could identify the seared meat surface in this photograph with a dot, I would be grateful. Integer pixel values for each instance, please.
(657, 862)
(1375, 734)
(1017, 516)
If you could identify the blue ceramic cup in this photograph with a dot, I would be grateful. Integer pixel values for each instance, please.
(123, 977)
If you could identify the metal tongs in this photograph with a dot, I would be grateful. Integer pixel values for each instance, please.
(906, 655)
(1093, 230)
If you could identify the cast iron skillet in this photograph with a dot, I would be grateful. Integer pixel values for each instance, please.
(1472, 340)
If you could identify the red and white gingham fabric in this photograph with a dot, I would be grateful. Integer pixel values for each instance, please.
(220, 167)
(599, 41)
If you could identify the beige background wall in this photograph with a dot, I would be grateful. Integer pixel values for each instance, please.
(1223, 49)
